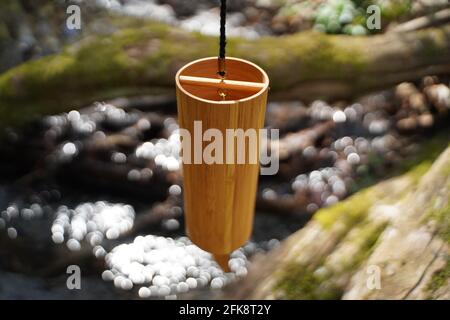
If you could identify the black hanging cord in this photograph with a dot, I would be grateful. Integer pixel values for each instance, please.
(223, 39)
(223, 18)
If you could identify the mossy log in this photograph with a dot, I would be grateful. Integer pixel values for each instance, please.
(144, 59)
(390, 241)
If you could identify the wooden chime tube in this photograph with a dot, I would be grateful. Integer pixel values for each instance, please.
(219, 198)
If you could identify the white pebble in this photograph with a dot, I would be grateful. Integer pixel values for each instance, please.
(171, 224)
(118, 281)
(175, 190)
(12, 233)
(144, 292)
(193, 272)
(202, 281)
(241, 272)
(217, 283)
(73, 245)
(153, 290)
(112, 233)
(171, 266)
(134, 175)
(182, 287)
(119, 157)
(99, 251)
(74, 116)
(172, 164)
(107, 275)
(127, 284)
(58, 237)
(192, 283)
(339, 117)
(164, 290)
(148, 273)
(160, 281)
(137, 278)
(353, 158)
(69, 149)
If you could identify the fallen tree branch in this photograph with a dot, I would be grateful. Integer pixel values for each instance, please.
(433, 19)
(304, 66)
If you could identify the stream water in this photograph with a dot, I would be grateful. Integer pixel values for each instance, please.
(102, 187)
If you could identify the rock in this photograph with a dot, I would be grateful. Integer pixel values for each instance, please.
(390, 241)
(439, 95)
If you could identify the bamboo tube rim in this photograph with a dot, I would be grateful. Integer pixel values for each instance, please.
(222, 83)
(265, 82)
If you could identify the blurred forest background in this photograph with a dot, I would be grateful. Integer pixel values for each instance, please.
(89, 167)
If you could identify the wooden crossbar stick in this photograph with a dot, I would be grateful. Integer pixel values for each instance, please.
(223, 84)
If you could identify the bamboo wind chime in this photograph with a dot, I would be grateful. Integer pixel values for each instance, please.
(219, 198)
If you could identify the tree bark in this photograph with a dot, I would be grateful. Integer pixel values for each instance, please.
(303, 66)
(399, 228)
(429, 20)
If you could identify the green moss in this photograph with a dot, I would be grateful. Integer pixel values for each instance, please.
(439, 278)
(81, 74)
(100, 61)
(149, 55)
(298, 282)
(301, 282)
(367, 236)
(144, 57)
(314, 55)
(392, 10)
(442, 218)
(349, 211)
